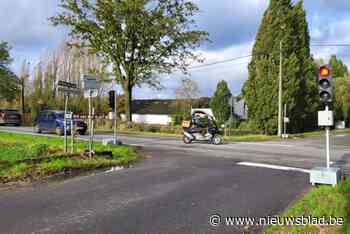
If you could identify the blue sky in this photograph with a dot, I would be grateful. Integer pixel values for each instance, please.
(232, 25)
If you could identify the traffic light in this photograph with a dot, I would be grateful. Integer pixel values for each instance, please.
(325, 83)
(111, 99)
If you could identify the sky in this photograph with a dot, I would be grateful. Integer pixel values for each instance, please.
(232, 25)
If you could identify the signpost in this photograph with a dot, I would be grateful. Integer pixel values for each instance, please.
(68, 88)
(90, 86)
(285, 122)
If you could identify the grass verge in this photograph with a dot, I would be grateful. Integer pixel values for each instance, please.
(322, 201)
(318, 133)
(28, 157)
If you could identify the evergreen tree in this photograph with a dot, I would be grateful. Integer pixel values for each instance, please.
(341, 88)
(339, 69)
(9, 83)
(282, 23)
(220, 103)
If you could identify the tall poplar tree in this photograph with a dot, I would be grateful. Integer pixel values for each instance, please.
(9, 83)
(282, 23)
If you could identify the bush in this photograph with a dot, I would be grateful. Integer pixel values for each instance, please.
(38, 150)
(177, 119)
(250, 127)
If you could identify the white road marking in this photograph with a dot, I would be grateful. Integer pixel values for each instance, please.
(264, 144)
(340, 135)
(277, 167)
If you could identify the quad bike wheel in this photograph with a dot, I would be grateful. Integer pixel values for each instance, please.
(59, 131)
(187, 140)
(218, 140)
(37, 129)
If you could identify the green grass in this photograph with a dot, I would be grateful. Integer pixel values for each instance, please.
(318, 133)
(322, 201)
(247, 138)
(15, 147)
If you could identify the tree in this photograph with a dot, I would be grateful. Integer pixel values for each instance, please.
(8, 80)
(36, 96)
(139, 37)
(282, 23)
(342, 98)
(341, 89)
(186, 93)
(220, 102)
(339, 69)
(24, 77)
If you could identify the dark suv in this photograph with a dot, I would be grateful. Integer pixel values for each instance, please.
(10, 117)
(53, 121)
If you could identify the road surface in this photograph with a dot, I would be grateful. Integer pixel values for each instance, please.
(174, 190)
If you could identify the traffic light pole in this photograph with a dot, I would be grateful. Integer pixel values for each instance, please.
(327, 142)
(90, 126)
(115, 118)
(325, 175)
(65, 123)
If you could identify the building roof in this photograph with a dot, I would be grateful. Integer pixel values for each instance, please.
(163, 106)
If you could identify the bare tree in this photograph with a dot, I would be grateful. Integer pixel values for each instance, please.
(24, 76)
(186, 93)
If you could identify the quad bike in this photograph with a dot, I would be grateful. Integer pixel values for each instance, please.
(202, 127)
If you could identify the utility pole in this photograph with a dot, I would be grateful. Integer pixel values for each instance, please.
(280, 94)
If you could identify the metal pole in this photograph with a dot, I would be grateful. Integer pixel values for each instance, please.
(72, 133)
(65, 123)
(280, 94)
(285, 123)
(90, 126)
(327, 143)
(115, 118)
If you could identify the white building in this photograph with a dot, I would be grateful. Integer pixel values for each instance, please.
(160, 111)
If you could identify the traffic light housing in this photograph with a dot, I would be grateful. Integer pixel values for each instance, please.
(325, 83)
(111, 95)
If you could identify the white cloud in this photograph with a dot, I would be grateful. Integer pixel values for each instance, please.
(232, 25)
(24, 25)
(234, 73)
(335, 32)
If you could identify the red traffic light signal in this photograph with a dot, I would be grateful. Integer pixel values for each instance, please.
(324, 71)
(325, 83)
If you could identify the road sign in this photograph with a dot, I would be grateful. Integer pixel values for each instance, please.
(325, 118)
(90, 82)
(68, 115)
(286, 119)
(90, 93)
(67, 87)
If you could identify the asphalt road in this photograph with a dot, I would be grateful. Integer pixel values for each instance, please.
(174, 190)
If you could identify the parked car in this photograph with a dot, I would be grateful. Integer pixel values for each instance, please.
(10, 117)
(53, 121)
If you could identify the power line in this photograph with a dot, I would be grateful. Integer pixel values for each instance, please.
(220, 62)
(331, 44)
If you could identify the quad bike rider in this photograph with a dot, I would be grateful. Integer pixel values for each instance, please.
(201, 127)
